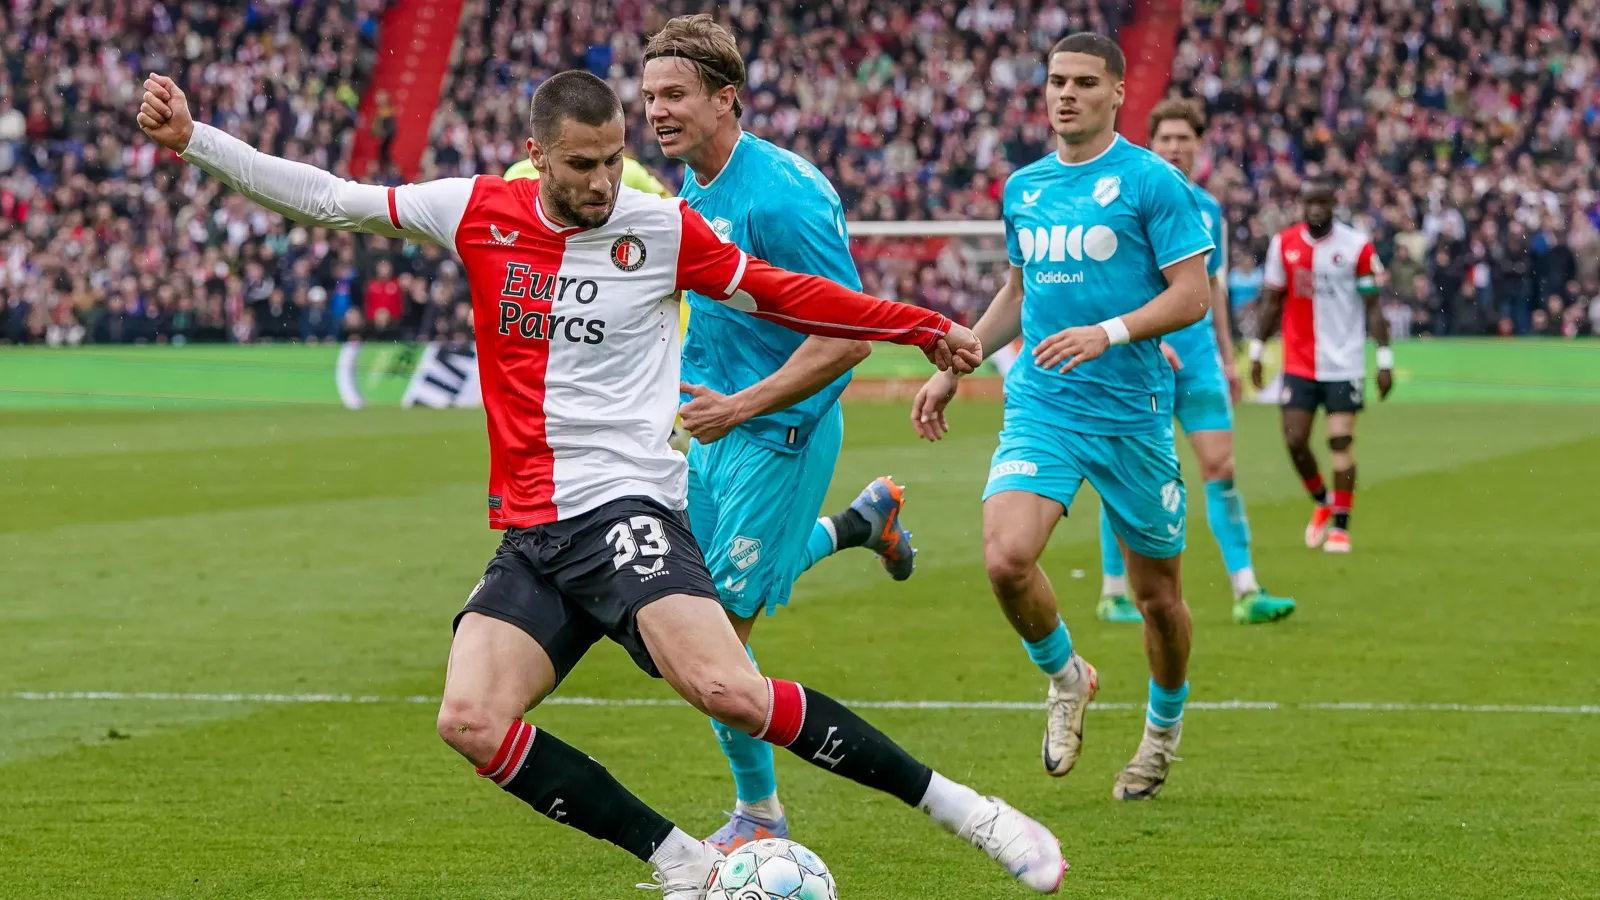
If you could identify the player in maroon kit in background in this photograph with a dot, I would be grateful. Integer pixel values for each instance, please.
(1321, 281)
(575, 282)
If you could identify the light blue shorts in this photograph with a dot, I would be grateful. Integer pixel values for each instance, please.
(1136, 475)
(752, 509)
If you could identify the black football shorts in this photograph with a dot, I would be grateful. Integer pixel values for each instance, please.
(570, 583)
(1334, 396)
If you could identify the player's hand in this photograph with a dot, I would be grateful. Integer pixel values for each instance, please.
(1065, 350)
(1385, 383)
(927, 410)
(710, 416)
(164, 114)
(1255, 373)
(1173, 359)
(959, 350)
(1230, 371)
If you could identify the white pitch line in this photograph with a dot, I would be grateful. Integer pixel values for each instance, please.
(993, 705)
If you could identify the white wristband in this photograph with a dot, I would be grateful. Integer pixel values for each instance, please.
(1116, 330)
(1257, 348)
(1386, 357)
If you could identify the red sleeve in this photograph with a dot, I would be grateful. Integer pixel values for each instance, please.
(808, 304)
(1368, 262)
(813, 305)
(707, 264)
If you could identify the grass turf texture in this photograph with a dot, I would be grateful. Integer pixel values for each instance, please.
(310, 550)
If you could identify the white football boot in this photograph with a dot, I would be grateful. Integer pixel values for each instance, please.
(1071, 689)
(1147, 771)
(686, 877)
(1024, 847)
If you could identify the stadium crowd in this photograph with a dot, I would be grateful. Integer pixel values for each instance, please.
(105, 239)
(1464, 135)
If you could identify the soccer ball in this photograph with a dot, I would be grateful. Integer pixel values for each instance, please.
(772, 869)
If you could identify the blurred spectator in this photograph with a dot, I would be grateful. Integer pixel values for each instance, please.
(383, 294)
(317, 321)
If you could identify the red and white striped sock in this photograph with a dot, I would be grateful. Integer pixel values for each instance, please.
(512, 754)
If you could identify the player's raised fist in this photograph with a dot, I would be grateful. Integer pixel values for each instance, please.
(164, 114)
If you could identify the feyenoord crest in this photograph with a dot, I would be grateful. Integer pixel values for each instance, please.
(627, 252)
(1107, 189)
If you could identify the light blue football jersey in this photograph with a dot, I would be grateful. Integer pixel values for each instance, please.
(1091, 239)
(778, 207)
(1197, 344)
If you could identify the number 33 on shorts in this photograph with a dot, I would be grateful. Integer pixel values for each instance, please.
(639, 538)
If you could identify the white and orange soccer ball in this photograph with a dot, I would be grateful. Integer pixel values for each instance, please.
(772, 869)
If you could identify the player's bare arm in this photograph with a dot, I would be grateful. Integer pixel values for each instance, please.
(1223, 326)
(1378, 327)
(1266, 326)
(999, 326)
(815, 364)
(1183, 303)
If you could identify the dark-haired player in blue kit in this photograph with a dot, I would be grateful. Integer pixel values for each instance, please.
(1108, 253)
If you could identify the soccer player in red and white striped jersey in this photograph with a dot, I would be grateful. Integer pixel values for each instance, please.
(1321, 280)
(573, 285)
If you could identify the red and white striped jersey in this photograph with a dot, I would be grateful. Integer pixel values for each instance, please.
(1324, 309)
(577, 329)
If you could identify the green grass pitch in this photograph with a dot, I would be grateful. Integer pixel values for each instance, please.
(310, 551)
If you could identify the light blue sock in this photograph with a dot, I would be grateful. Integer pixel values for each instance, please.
(1166, 707)
(1052, 653)
(1111, 562)
(1225, 515)
(754, 778)
(820, 545)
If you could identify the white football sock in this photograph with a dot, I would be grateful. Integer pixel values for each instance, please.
(833, 534)
(1068, 679)
(1113, 585)
(1244, 582)
(677, 850)
(948, 803)
(767, 809)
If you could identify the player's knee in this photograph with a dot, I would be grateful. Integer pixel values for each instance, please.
(1341, 443)
(1157, 589)
(1297, 441)
(1219, 468)
(471, 730)
(1009, 570)
(737, 700)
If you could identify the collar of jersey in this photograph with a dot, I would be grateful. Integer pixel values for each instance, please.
(725, 166)
(1115, 140)
(546, 221)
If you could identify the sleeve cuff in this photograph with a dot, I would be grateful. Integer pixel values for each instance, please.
(1190, 255)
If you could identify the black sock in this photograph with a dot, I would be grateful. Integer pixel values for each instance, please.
(1341, 520)
(834, 738)
(850, 529)
(567, 786)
